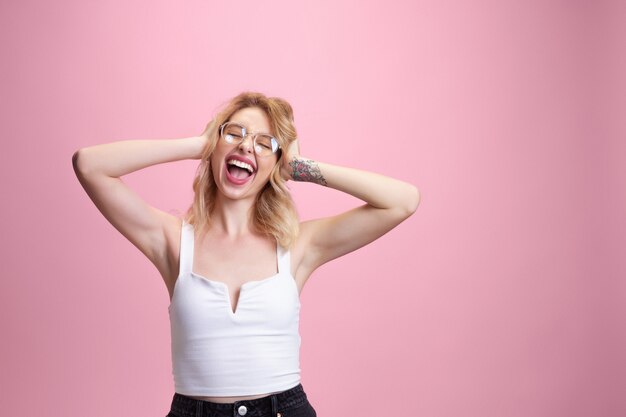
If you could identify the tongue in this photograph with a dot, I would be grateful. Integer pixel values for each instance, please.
(237, 172)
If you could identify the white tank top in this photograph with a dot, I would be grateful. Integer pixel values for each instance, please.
(218, 352)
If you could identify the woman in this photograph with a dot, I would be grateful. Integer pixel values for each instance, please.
(235, 265)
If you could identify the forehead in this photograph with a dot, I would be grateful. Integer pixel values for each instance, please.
(253, 118)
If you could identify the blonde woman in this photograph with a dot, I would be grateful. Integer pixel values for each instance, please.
(236, 263)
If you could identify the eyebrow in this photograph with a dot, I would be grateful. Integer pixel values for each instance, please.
(247, 130)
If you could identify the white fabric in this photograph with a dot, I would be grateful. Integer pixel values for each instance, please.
(216, 352)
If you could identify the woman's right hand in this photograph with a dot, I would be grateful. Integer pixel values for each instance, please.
(203, 139)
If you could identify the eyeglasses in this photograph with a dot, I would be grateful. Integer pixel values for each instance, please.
(235, 133)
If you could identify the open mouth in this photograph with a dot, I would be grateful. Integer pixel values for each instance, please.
(238, 171)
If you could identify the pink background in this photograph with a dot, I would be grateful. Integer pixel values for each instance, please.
(502, 296)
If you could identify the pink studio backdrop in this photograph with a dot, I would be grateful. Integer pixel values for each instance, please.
(503, 295)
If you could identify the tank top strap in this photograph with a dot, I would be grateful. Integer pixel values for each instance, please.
(284, 259)
(186, 248)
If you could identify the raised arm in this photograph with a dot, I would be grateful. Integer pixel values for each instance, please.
(99, 168)
(388, 202)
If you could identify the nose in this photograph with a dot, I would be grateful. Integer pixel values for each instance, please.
(247, 143)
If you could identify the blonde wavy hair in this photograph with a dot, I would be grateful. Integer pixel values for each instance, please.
(274, 210)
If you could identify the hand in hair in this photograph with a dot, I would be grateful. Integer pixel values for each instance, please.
(207, 130)
(289, 155)
(203, 139)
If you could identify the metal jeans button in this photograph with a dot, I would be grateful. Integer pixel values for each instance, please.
(242, 410)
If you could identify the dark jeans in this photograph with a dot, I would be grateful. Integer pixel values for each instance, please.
(290, 403)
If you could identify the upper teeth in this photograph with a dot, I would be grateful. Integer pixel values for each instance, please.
(240, 164)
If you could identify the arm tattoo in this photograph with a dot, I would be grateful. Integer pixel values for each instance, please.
(307, 170)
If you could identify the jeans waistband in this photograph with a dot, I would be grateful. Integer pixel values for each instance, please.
(273, 403)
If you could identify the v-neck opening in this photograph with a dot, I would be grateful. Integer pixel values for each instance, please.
(225, 286)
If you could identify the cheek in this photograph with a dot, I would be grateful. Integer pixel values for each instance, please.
(215, 164)
(265, 171)
(271, 165)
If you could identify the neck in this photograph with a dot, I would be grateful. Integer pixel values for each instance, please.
(232, 218)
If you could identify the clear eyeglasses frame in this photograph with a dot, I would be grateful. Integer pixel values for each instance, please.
(234, 133)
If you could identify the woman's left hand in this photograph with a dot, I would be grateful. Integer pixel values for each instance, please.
(291, 153)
